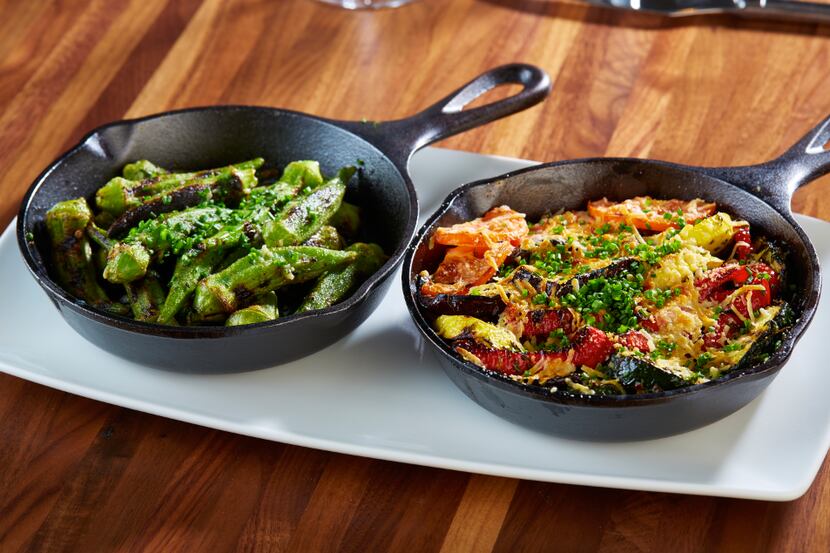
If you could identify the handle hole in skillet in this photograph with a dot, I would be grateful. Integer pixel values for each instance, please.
(491, 96)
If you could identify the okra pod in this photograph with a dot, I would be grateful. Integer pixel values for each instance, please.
(304, 216)
(305, 173)
(99, 260)
(146, 297)
(141, 170)
(261, 271)
(191, 318)
(296, 177)
(66, 223)
(176, 232)
(326, 237)
(263, 309)
(126, 263)
(274, 196)
(346, 219)
(232, 257)
(121, 194)
(336, 285)
(230, 187)
(200, 261)
(99, 236)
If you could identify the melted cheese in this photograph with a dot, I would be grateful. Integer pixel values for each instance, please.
(684, 266)
(741, 344)
(470, 357)
(581, 388)
(552, 367)
(742, 290)
(683, 322)
(673, 366)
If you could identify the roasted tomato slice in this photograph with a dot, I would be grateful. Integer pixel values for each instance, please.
(717, 284)
(541, 322)
(500, 224)
(464, 267)
(498, 360)
(726, 327)
(635, 340)
(591, 347)
(649, 214)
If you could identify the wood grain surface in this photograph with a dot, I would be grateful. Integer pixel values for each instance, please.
(79, 475)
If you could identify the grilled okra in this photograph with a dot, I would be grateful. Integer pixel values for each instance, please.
(346, 219)
(304, 216)
(67, 223)
(212, 246)
(142, 169)
(200, 261)
(262, 270)
(171, 233)
(335, 285)
(121, 194)
(230, 188)
(326, 237)
(146, 297)
(263, 309)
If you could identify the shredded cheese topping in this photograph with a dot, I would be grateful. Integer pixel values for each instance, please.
(621, 277)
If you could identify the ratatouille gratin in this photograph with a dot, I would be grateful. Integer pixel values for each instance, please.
(629, 297)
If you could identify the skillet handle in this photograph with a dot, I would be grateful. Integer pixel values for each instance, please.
(775, 181)
(401, 138)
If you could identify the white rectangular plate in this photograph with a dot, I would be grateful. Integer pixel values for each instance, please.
(380, 393)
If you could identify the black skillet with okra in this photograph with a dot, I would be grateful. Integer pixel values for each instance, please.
(233, 245)
(629, 297)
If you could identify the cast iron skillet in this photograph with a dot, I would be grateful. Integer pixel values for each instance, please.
(760, 194)
(218, 135)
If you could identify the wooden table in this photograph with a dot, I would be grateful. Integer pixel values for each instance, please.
(79, 475)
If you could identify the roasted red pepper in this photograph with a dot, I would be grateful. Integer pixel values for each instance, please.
(717, 284)
(541, 322)
(499, 360)
(635, 340)
(591, 347)
(650, 324)
(726, 327)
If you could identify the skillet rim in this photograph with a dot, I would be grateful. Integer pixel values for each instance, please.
(769, 367)
(196, 332)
